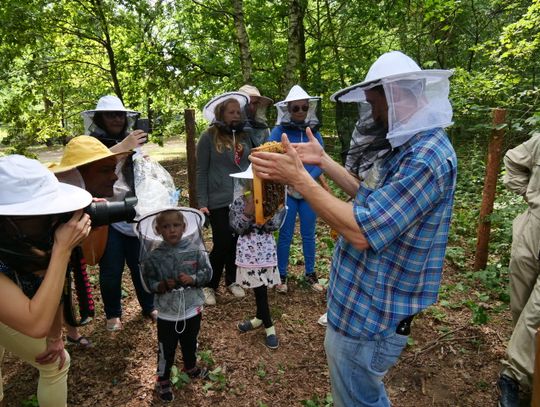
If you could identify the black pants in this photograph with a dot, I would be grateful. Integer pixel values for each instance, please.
(223, 252)
(263, 310)
(168, 339)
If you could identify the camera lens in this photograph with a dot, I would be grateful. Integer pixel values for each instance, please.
(104, 212)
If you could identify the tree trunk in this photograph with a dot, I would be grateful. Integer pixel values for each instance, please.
(294, 47)
(246, 61)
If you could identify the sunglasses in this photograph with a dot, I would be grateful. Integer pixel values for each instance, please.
(112, 115)
(297, 108)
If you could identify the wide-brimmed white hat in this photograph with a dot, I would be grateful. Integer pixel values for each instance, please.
(389, 67)
(28, 188)
(247, 174)
(253, 92)
(109, 103)
(296, 93)
(209, 109)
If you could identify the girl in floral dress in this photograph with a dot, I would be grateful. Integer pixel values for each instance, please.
(256, 258)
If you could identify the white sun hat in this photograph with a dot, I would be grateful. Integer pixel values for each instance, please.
(29, 188)
(296, 93)
(389, 67)
(209, 109)
(247, 174)
(417, 99)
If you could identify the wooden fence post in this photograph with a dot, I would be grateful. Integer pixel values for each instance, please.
(191, 132)
(490, 186)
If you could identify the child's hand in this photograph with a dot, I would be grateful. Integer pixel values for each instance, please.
(185, 279)
(166, 285)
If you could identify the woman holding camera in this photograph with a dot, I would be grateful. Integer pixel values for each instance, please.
(109, 122)
(295, 113)
(35, 249)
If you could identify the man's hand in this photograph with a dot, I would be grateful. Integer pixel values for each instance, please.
(54, 351)
(311, 152)
(285, 168)
(184, 279)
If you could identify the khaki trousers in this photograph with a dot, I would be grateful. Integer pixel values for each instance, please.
(524, 298)
(52, 383)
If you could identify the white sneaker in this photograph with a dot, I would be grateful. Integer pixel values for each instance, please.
(323, 320)
(209, 296)
(236, 290)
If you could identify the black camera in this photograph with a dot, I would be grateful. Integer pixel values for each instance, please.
(105, 212)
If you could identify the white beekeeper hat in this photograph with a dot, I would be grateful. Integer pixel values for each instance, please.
(209, 109)
(28, 188)
(417, 99)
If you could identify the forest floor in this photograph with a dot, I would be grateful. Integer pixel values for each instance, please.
(450, 362)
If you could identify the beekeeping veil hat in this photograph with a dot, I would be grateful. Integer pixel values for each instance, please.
(297, 93)
(417, 99)
(109, 103)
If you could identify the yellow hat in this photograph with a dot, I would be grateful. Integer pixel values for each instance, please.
(83, 150)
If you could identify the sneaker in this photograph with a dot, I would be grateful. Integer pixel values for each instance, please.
(236, 290)
(114, 324)
(209, 296)
(509, 389)
(245, 326)
(282, 288)
(197, 372)
(271, 341)
(323, 320)
(164, 391)
(313, 281)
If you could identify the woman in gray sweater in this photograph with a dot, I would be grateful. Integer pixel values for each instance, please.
(222, 149)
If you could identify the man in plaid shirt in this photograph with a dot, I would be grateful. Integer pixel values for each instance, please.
(388, 262)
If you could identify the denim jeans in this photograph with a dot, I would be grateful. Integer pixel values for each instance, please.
(308, 219)
(358, 365)
(121, 249)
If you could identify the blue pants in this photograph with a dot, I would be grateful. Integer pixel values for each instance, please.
(121, 249)
(308, 219)
(357, 367)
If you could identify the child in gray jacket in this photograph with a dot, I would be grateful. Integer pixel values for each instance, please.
(176, 271)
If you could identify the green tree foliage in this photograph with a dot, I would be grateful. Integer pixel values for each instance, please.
(163, 56)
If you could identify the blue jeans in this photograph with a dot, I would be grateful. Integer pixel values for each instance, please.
(308, 218)
(358, 365)
(121, 249)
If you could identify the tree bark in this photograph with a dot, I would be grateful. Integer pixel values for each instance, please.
(295, 47)
(246, 61)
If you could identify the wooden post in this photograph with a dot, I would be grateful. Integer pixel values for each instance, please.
(535, 401)
(490, 186)
(191, 133)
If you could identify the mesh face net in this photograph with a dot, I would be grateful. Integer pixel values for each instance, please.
(312, 119)
(417, 103)
(367, 144)
(193, 233)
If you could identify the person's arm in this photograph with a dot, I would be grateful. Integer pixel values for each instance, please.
(518, 163)
(133, 140)
(288, 169)
(55, 343)
(34, 317)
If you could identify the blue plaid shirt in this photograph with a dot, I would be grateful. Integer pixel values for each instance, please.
(403, 208)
